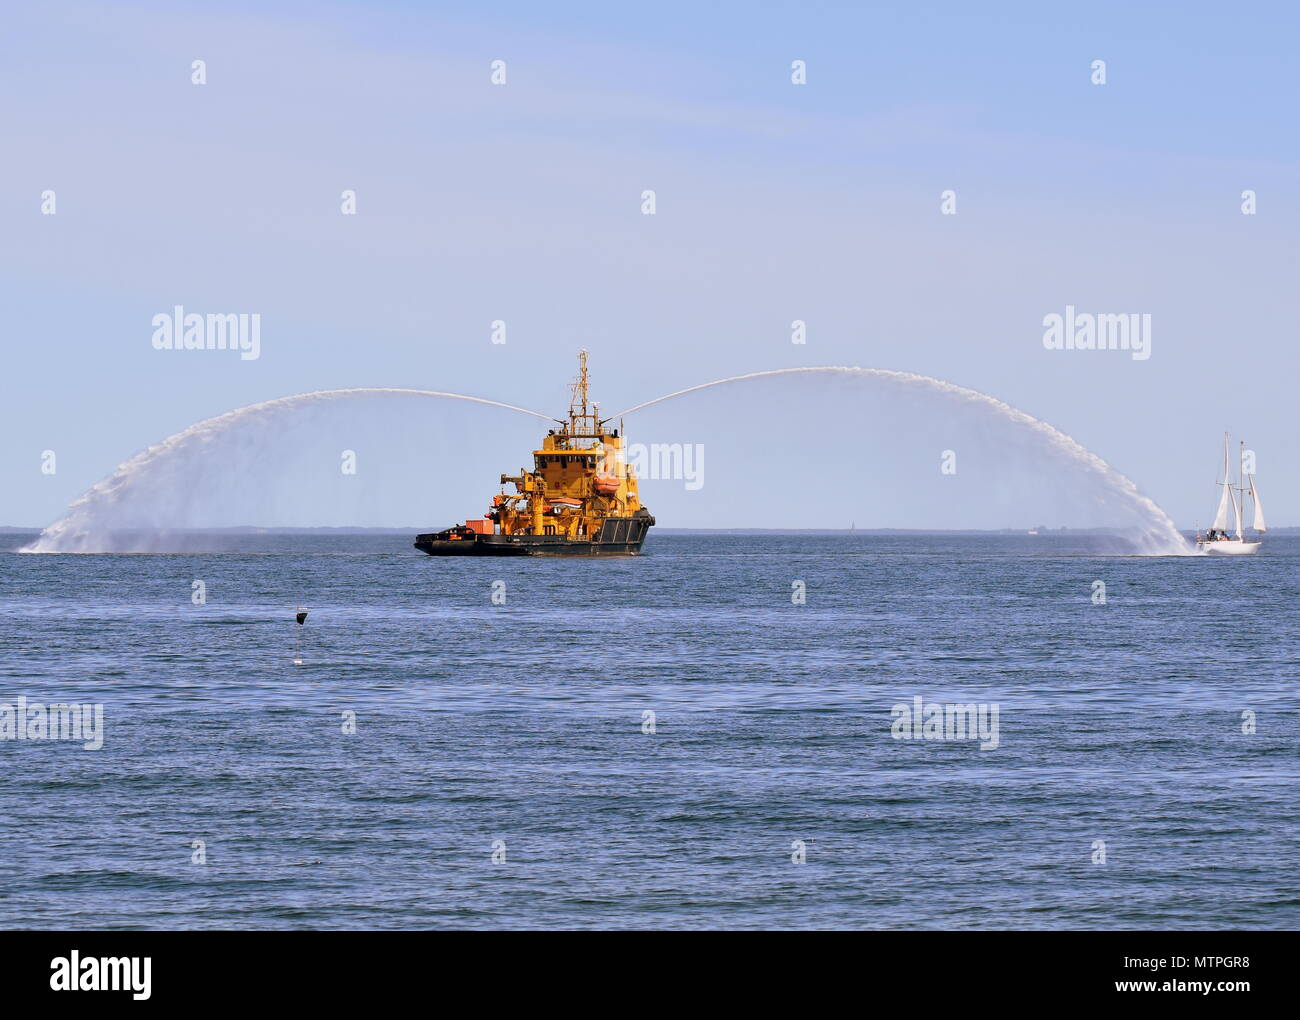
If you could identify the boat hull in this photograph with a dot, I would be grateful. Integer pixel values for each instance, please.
(1230, 547)
(618, 536)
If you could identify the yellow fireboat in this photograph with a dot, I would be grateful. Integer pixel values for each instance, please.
(580, 499)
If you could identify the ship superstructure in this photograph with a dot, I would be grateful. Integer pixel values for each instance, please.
(579, 499)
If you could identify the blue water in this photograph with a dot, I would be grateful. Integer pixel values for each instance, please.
(522, 723)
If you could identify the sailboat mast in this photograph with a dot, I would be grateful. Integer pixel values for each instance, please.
(1237, 506)
(1241, 474)
(1221, 518)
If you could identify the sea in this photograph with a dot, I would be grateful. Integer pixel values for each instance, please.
(724, 732)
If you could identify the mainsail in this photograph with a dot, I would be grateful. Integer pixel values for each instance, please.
(1259, 510)
(1221, 518)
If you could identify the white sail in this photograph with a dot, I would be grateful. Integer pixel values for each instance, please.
(1221, 518)
(1236, 510)
(1259, 510)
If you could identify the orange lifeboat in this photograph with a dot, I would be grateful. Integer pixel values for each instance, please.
(605, 485)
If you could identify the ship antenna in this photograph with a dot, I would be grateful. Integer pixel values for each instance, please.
(579, 410)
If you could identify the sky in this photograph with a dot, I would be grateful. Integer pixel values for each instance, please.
(774, 202)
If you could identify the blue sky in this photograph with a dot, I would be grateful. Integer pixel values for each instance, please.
(775, 202)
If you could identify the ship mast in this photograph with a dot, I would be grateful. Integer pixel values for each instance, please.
(582, 413)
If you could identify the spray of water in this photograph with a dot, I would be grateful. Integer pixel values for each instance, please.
(1160, 536)
(92, 522)
(89, 524)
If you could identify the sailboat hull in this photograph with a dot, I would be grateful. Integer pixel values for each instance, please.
(1229, 547)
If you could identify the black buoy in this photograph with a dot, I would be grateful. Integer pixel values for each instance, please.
(300, 615)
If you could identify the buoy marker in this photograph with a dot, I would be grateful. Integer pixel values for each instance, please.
(300, 615)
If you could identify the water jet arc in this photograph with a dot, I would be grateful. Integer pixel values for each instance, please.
(1165, 539)
(73, 532)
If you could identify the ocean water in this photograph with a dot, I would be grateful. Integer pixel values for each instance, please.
(522, 726)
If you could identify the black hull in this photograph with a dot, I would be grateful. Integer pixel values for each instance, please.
(618, 536)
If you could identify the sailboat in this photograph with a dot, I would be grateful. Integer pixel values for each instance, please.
(1217, 541)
